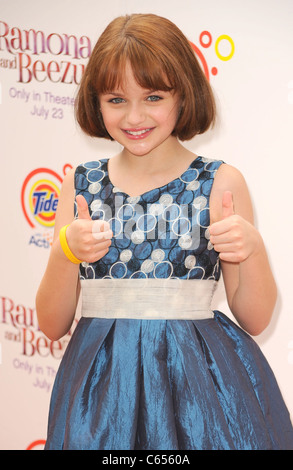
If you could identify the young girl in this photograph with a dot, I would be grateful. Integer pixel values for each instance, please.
(150, 365)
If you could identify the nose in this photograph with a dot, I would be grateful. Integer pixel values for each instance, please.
(135, 114)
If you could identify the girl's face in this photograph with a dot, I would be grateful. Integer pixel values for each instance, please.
(140, 120)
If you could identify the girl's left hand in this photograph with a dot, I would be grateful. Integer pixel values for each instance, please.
(233, 237)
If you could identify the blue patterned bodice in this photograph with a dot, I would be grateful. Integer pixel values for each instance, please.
(160, 234)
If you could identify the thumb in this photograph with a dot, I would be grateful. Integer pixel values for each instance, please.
(227, 204)
(82, 207)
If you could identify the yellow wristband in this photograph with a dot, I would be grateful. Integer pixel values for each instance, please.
(64, 245)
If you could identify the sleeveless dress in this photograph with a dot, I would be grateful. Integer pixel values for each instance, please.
(150, 366)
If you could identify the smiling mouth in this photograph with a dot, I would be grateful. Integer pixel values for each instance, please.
(138, 133)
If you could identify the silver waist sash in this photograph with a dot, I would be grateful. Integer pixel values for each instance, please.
(148, 299)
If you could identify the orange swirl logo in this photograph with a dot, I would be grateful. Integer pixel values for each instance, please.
(39, 196)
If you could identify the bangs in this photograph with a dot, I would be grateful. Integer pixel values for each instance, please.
(149, 69)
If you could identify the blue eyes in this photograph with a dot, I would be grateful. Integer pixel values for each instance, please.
(116, 100)
(151, 98)
(154, 98)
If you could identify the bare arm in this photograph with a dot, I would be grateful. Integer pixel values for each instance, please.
(58, 292)
(249, 283)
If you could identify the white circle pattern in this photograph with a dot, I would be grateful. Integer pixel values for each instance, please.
(125, 256)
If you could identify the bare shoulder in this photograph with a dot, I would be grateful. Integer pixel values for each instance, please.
(229, 178)
(228, 175)
(68, 181)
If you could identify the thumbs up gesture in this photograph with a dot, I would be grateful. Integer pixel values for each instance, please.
(232, 236)
(227, 205)
(89, 240)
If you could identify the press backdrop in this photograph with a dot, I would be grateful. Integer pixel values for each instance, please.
(245, 48)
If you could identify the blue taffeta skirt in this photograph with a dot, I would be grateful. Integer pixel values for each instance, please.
(166, 385)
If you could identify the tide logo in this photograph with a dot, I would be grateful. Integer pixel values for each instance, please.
(39, 196)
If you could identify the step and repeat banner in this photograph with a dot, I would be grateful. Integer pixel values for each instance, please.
(245, 49)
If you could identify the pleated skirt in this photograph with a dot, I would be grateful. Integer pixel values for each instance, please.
(126, 384)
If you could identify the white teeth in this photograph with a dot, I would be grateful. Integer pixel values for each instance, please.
(138, 132)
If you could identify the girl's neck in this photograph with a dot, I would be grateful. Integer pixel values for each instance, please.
(157, 161)
(135, 175)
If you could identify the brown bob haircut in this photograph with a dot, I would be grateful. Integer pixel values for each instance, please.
(161, 58)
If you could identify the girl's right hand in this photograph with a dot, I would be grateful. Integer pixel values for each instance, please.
(89, 240)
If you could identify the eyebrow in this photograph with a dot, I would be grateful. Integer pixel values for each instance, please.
(112, 93)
